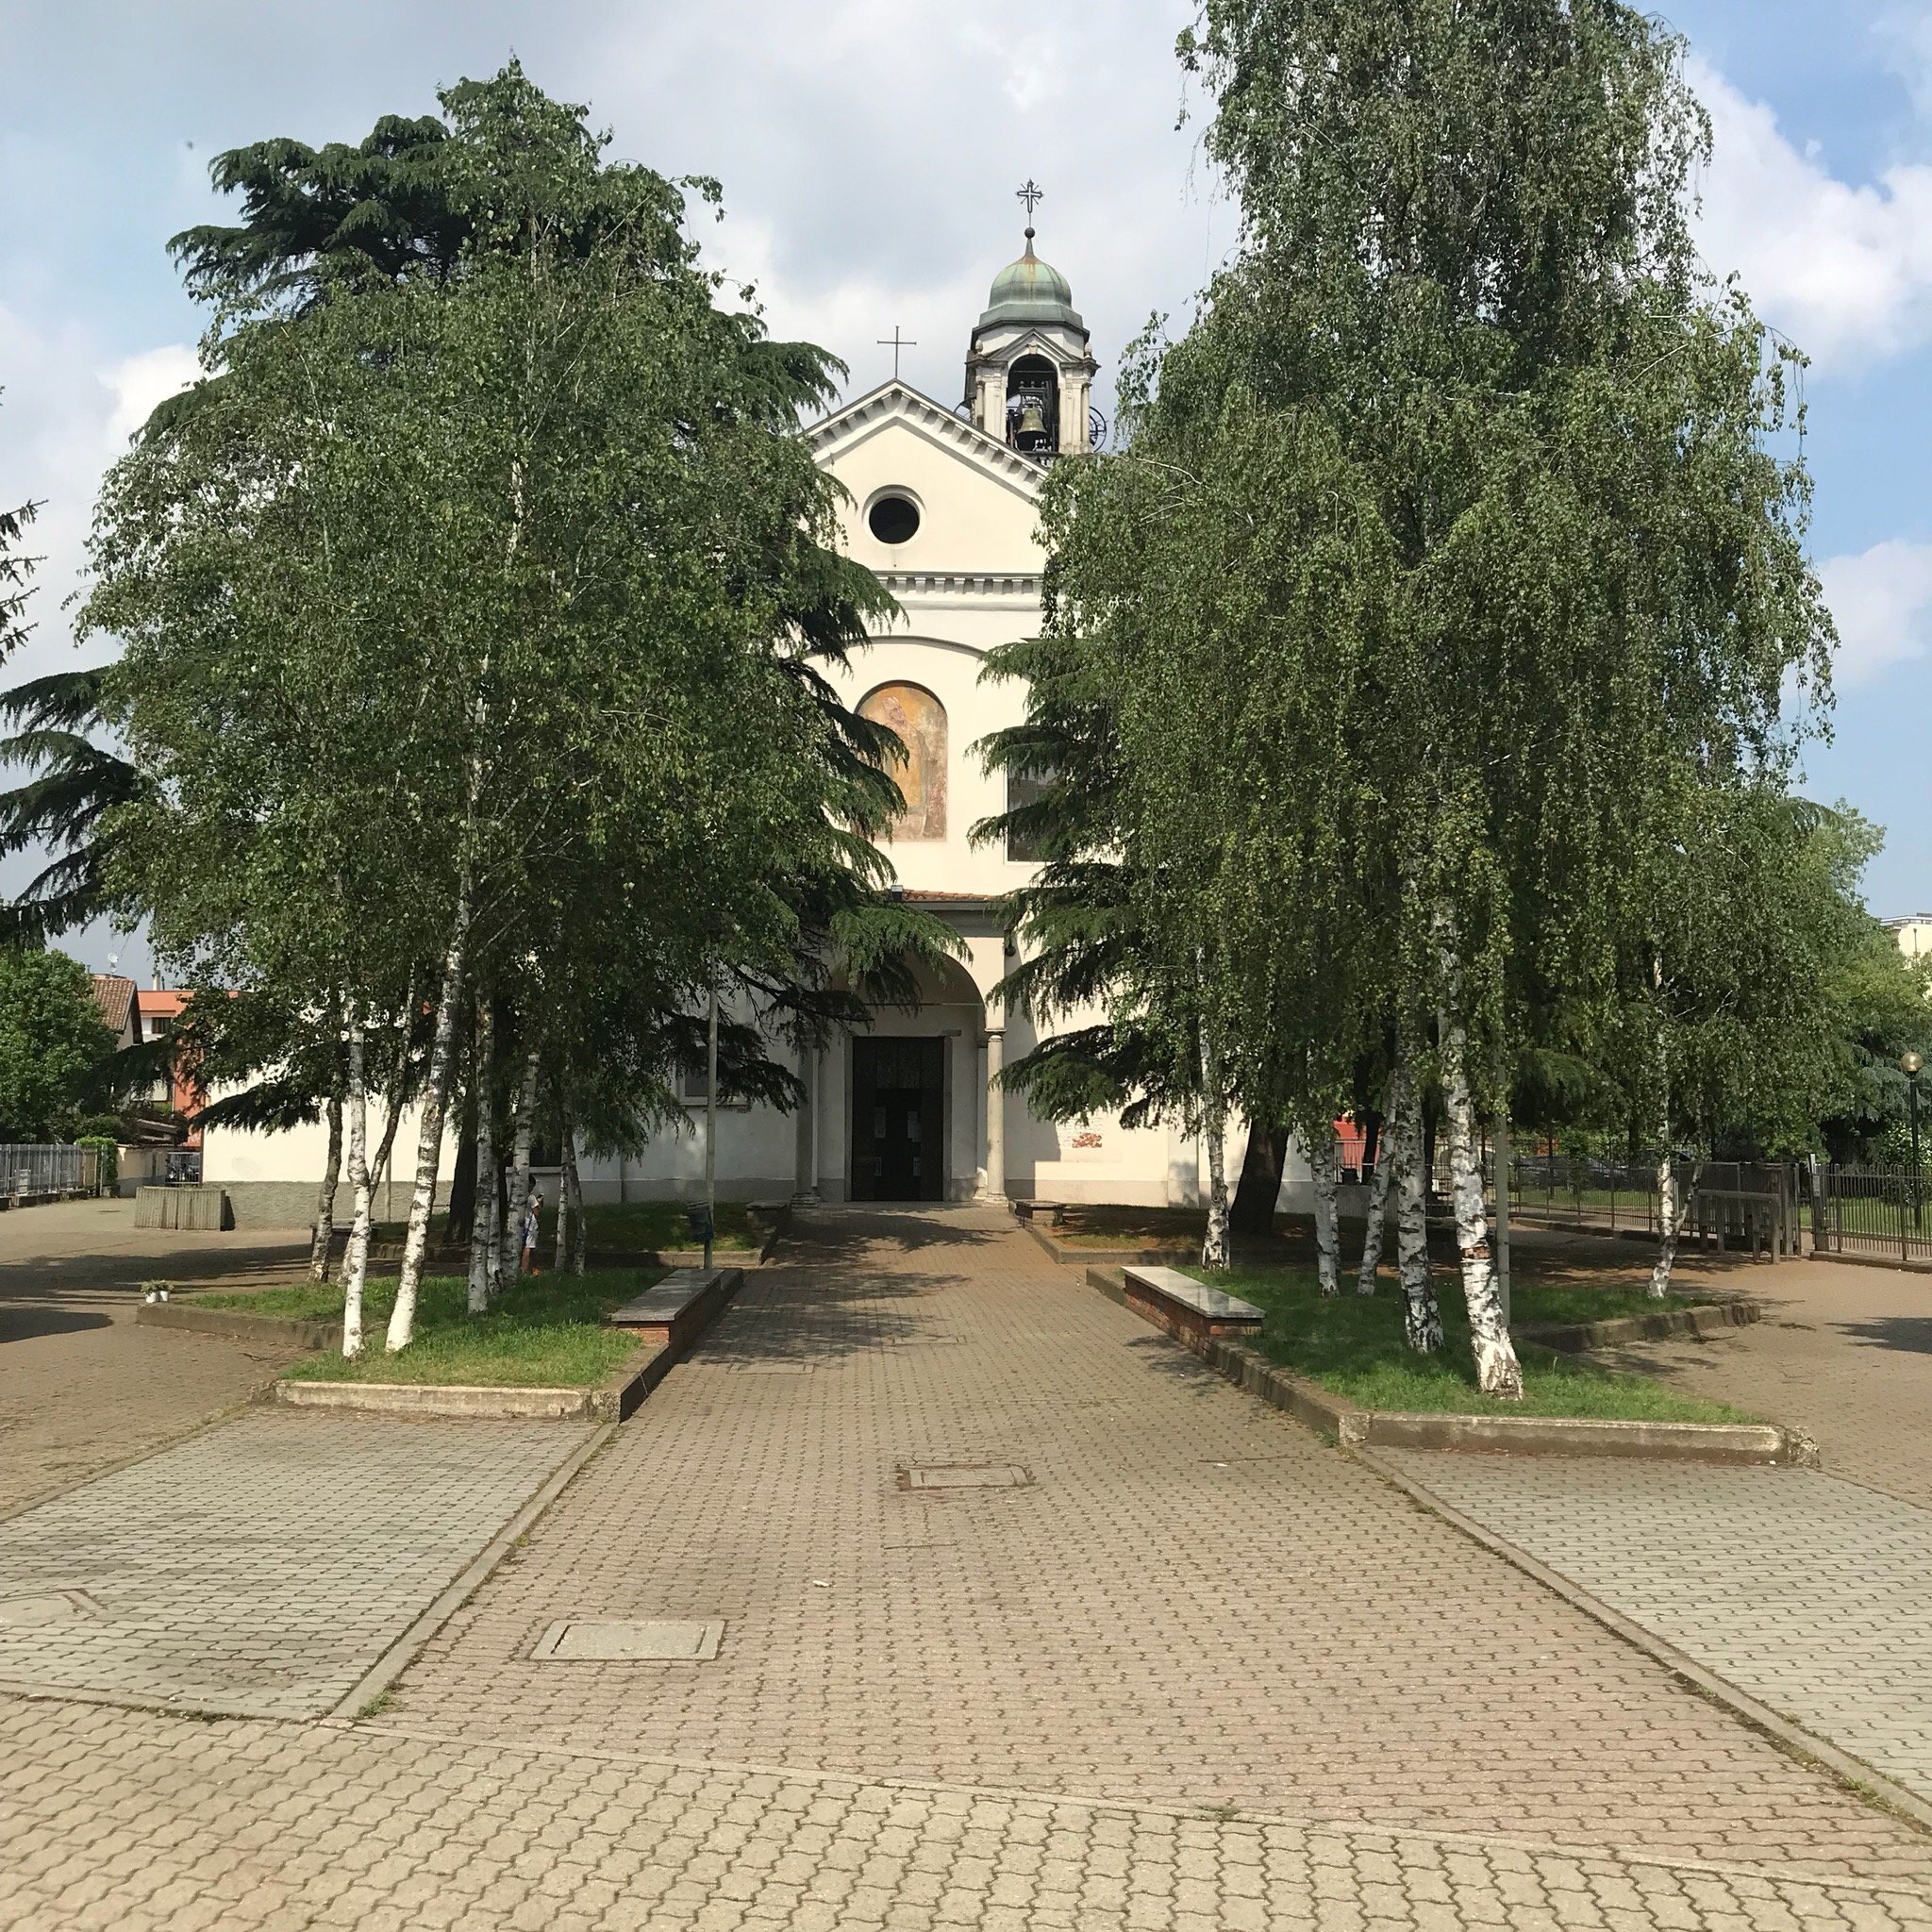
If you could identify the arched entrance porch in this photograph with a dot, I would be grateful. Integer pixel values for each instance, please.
(898, 1110)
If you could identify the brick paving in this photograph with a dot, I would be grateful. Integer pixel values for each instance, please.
(261, 1568)
(1193, 1604)
(1843, 1353)
(1196, 1671)
(81, 1386)
(146, 1822)
(1813, 1595)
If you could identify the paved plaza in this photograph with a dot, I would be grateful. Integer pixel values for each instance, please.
(261, 1568)
(81, 1388)
(1843, 1353)
(1192, 1603)
(144, 1822)
(1028, 1621)
(1810, 1595)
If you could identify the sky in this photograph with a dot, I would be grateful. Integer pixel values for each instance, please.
(869, 152)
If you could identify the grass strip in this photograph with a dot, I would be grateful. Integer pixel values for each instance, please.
(1352, 1346)
(543, 1332)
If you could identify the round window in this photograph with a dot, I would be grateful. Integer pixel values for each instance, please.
(894, 519)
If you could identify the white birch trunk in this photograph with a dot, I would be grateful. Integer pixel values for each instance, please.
(580, 1227)
(1324, 1163)
(1497, 1371)
(356, 1263)
(483, 1214)
(325, 1199)
(1666, 1224)
(1422, 1320)
(1667, 1206)
(402, 1321)
(519, 1160)
(1378, 1210)
(1215, 1251)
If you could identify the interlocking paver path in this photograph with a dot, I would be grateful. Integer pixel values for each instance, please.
(143, 1822)
(81, 1386)
(1813, 1595)
(1194, 1602)
(261, 1566)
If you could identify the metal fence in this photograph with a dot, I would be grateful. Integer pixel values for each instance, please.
(1756, 1205)
(29, 1172)
(1882, 1212)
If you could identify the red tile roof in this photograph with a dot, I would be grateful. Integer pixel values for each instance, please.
(115, 996)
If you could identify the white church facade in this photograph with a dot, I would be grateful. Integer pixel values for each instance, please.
(942, 504)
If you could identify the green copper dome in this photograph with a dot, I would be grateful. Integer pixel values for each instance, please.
(1030, 289)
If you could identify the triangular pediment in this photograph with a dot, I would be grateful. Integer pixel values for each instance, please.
(897, 407)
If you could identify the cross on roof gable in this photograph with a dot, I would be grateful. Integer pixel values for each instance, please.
(899, 404)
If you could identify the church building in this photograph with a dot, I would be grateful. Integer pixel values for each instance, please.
(942, 504)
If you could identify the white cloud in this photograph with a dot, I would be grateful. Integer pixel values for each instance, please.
(1846, 271)
(67, 409)
(1882, 600)
(141, 382)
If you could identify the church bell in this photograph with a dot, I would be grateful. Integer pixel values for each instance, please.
(1032, 418)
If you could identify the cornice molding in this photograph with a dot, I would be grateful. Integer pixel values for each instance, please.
(961, 583)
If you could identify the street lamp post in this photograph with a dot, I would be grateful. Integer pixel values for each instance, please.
(1911, 1064)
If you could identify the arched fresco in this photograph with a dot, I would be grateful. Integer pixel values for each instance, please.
(920, 720)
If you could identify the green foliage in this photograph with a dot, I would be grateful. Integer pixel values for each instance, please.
(487, 570)
(52, 1038)
(108, 1158)
(63, 807)
(1430, 632)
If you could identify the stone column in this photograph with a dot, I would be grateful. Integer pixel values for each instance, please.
(995, 1115)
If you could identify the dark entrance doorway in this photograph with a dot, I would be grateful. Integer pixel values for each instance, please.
(898, 1094)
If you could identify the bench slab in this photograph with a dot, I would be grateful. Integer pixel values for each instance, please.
(680, 1304)
(1189, 1309)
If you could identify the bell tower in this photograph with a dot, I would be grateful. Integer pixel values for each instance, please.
(1029, 371)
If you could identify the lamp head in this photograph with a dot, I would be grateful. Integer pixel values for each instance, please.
(1912, 1063)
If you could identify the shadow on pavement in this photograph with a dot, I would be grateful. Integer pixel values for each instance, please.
(25, 1320)
(1910, 1333)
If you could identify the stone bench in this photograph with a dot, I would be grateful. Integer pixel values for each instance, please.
(1053, 1212)
(681, 1307)
(1189, 1309)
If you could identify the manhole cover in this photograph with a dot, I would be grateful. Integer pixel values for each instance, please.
(51, 1606)
(648, 1639)
(967, 1475)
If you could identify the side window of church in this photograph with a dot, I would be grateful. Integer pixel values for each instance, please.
(1023, 789)
(694, 1089)
(918, 720)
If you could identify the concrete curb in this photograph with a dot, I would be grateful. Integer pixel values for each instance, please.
(1708, 1318)
(1899, 1267)
(611, 1402)
(236, 1324)
(1803, 1744)
(1351, 1427)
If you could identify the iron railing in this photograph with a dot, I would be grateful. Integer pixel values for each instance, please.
(30, 1171)
(1881, 1211)
(1757, 1205)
